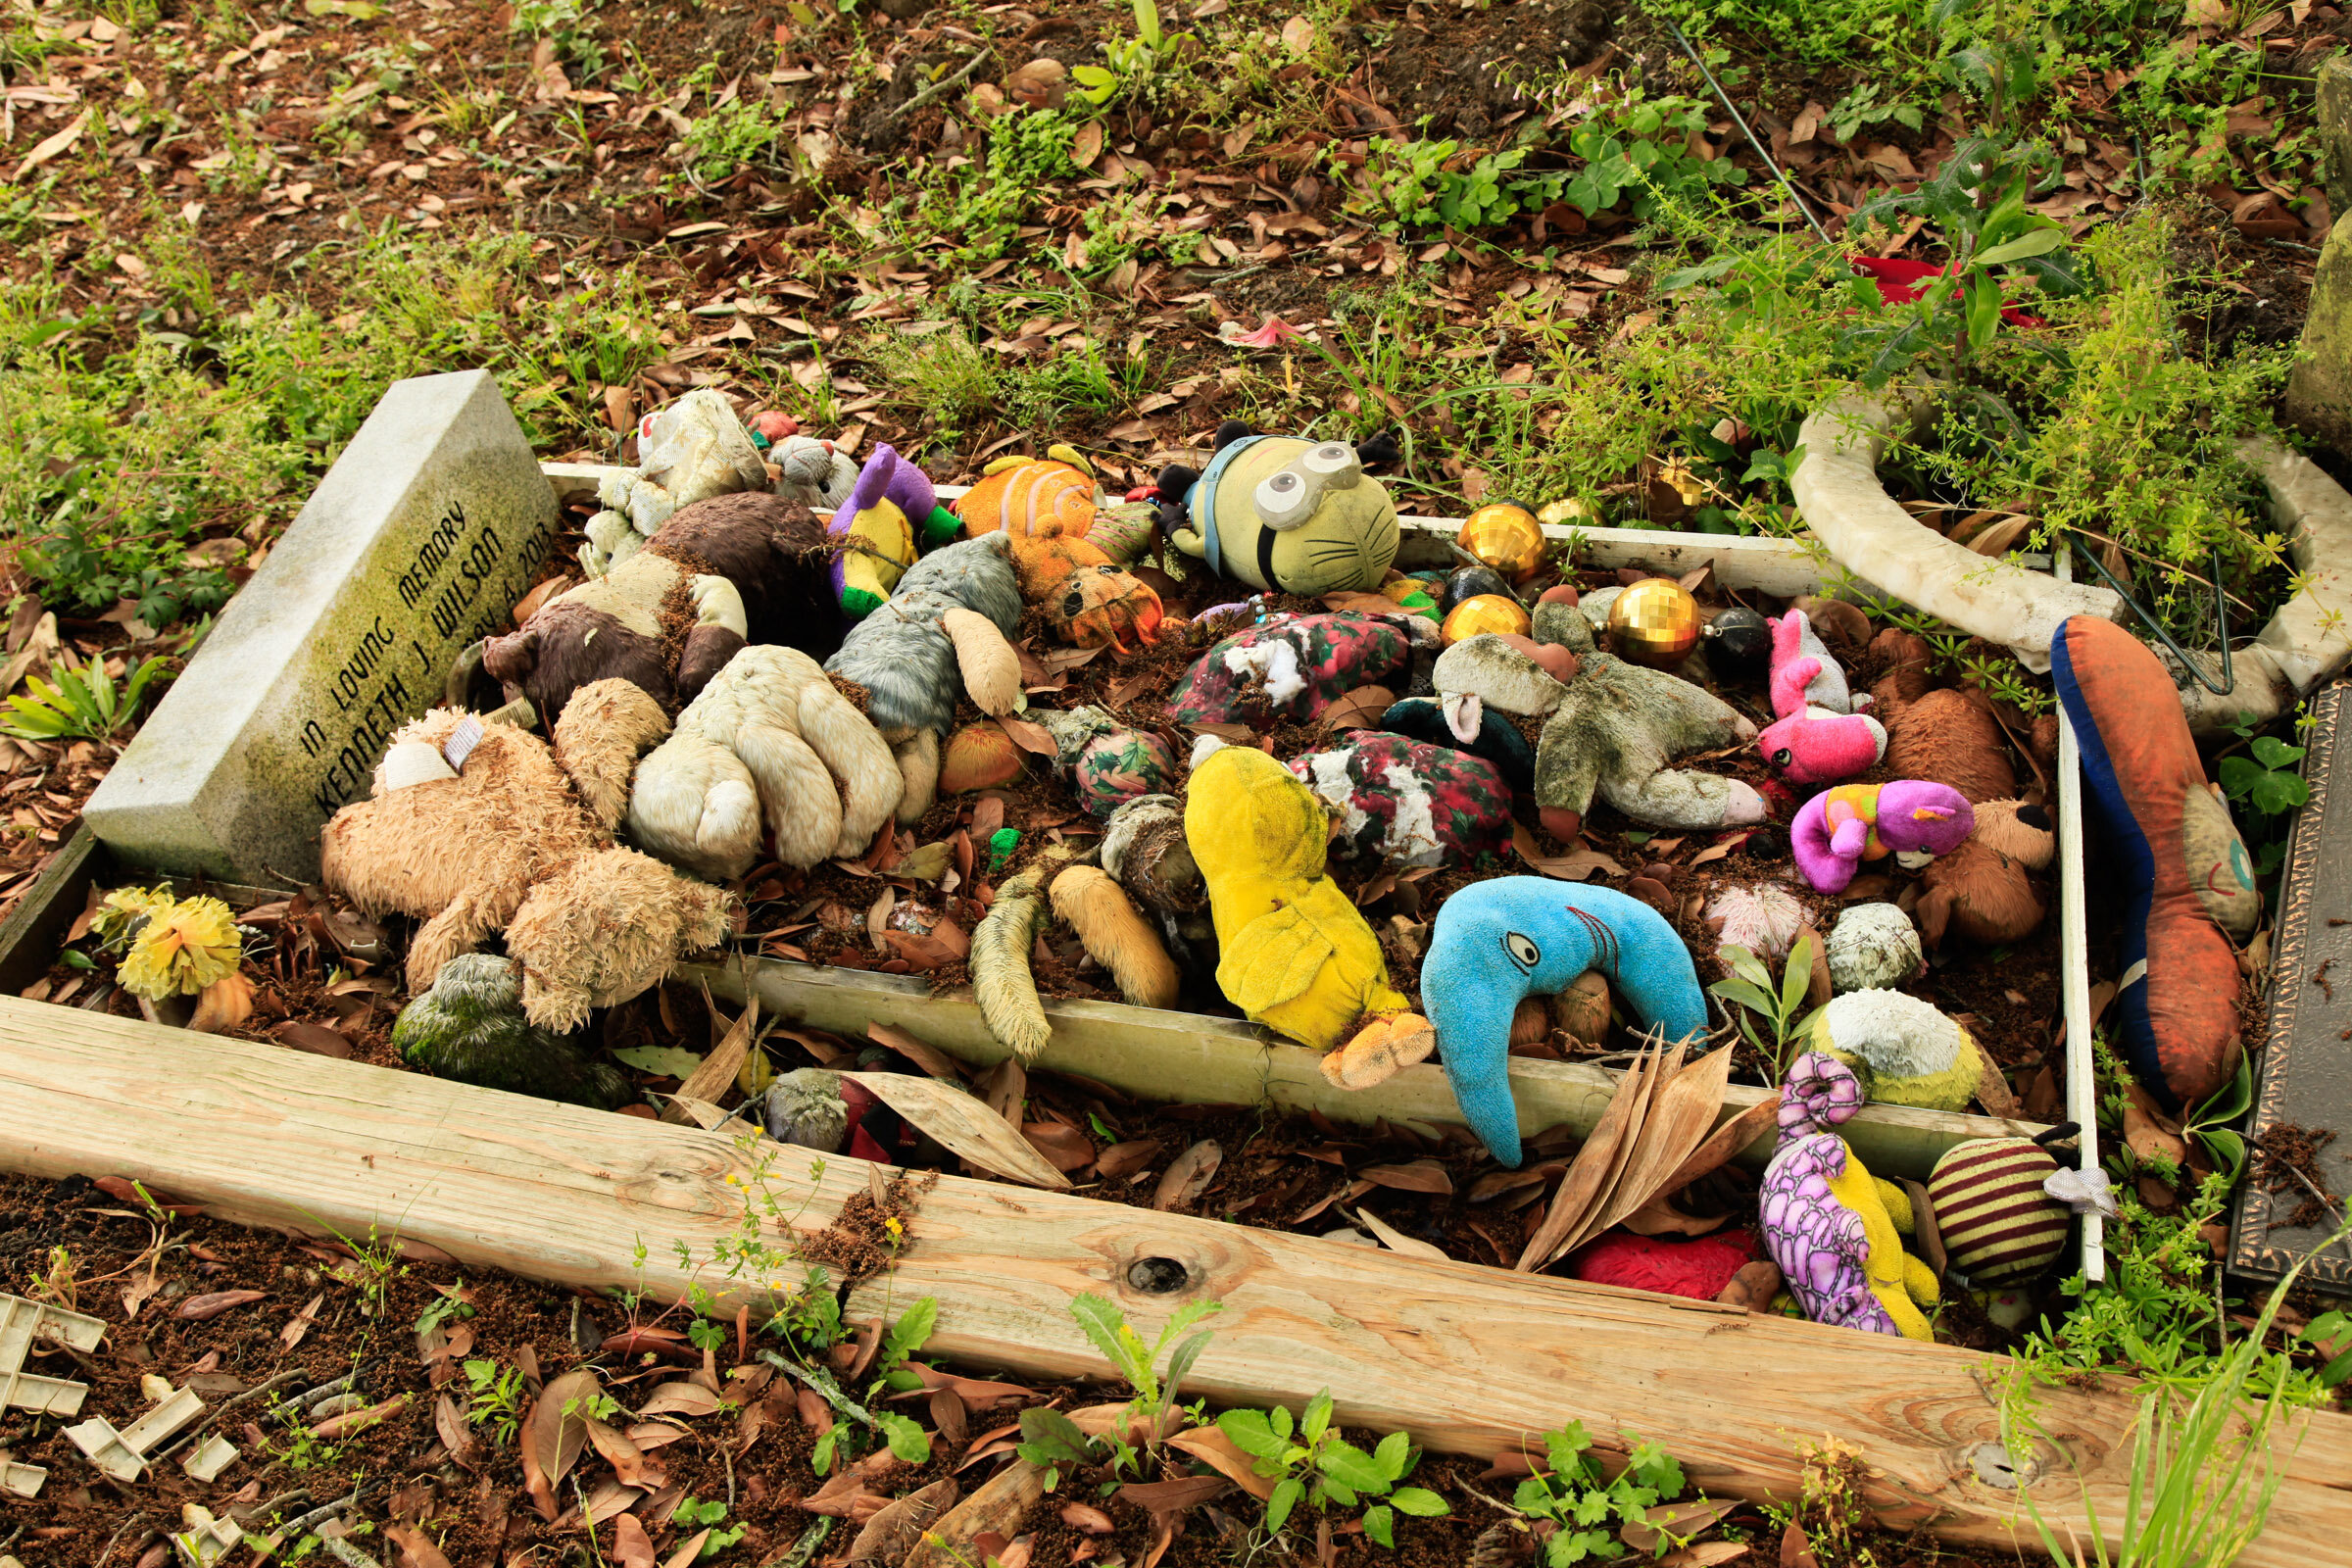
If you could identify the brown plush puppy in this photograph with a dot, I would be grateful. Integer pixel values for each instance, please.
(520, 841)
(722, 573)
(1944, 736)
(1983, 889)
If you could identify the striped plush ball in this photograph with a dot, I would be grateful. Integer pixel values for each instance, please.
(1996, 1222)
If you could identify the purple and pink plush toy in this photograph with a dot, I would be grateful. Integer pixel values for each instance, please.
(1820, 736)
(1839, 828)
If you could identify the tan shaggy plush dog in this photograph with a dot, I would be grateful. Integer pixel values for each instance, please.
(521, 841)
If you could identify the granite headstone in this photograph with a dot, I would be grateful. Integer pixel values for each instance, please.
(418, 541)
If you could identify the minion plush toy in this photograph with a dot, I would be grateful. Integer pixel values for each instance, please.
(1284, 515)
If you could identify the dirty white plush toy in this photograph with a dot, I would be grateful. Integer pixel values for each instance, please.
(812, 473)
(1873, 945)
(769, 740)
(688, 451)
(1903, 1050)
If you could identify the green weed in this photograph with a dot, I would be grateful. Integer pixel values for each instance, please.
(494, 1399)
(1320, 1468)
(1583, 1506)
(84, 703)
(1769, 1009)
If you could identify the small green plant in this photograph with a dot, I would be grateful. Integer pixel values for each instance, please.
(1131, 63)
(495, 1398)
(1584, 1507)
(729, 137)
(706, 1515)
(1322, 1469)
(2329, 1336)
(1768, 1012)
(1640, 147)
(448, 1305)
(1055, 1443)
(80, 703)
(2266, 778)
(1107, 1328)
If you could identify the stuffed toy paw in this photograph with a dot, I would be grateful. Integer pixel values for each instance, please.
(944, 634)
(1838, 829)
(1517, 936)
(1395, 803)
(1297, 954)
(1983, 889)
(1610, 727)
(1293, 667)
(2187, 883)
(876, 528)
(1284, 515)
(1826, 1220)
(1904, 1052)
(760, 751)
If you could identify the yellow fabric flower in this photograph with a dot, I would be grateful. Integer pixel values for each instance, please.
(184, 947)
(126, 907)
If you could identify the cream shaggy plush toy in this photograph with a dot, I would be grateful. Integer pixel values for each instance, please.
(518, 837)
(766, 737)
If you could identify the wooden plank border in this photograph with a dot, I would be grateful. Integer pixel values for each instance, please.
(1467, 1359)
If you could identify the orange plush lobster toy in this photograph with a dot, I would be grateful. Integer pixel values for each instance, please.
(1047, 504)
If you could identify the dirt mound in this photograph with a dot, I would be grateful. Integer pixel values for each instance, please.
(1472, 74)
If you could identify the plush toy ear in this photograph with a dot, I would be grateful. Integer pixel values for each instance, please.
(1176, 481)
(1000, 464)
(1229, 432)
(1063, 452)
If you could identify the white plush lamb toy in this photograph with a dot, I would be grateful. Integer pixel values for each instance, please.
(814, 474)
(690, 451)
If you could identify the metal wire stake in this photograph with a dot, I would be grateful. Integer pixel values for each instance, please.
(2221, 618)
(1740, 121)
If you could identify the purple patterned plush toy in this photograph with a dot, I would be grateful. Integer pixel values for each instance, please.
(1833, 1229)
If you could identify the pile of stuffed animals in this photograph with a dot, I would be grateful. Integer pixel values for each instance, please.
(768, 654)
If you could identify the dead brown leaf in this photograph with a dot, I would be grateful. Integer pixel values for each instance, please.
(1414, 1176)
(417, 1548)
(938, 1063)
(449, 1424)
(1214, 1448)
(211, 1305)
(316, 1038)
(1063, 1146)
(1683, 1519)
(889, 1536)
(1360, 708)
(1121, 1160)
(1027, 736)
(1396, 1241)
(1574, 866)
(1753, 1286)
(632, 1547)
(628, 1461)
(1188, 1175)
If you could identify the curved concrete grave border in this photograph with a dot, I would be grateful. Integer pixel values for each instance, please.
(2310, 638)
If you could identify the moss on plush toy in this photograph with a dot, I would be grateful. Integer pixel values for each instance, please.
(1284, 515)
(471, 1028)
(1905, 1051)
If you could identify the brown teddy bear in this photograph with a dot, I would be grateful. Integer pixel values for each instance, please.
(1944, 736)
(518, 837)
(1983, 889)
(720, 573)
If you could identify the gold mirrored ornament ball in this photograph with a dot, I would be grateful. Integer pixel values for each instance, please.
(1485, 613)
(1506, 537)
(1655, 622)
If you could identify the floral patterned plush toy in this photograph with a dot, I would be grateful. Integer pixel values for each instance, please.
(1295, 667)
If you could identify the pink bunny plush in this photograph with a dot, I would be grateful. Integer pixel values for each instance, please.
(1838, 829)
(1819, 736)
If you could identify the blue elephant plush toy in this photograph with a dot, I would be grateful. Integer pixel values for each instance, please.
(1520, 936)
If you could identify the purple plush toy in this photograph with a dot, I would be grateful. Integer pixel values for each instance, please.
(876, 528)
(1839, 828)
(1821, 735)
(1830, 1226)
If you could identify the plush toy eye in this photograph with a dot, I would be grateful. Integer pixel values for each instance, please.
(1075, 603)
(1783, 757)
(1284, 499)
(1335, 461)
(1523, 951)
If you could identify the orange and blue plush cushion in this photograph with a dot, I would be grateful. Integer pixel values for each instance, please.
(1529, 936)
(2177, 861)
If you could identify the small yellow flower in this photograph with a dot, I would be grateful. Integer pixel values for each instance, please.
(184, 947)
(126, 907)
(893, 1226)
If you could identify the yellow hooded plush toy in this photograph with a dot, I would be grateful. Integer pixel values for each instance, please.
(1297, 955)
(1284, 515)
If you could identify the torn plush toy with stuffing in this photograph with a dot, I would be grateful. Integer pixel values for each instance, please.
(944, 634)
(1983, 889)
(517, 837)
(768, 748)
(1295, 667)
(688, 451)
(1839, 828)
(1819, 734)
(1834, 1229)
(1298, 956)
(1284, 515)
(1610, 728)
(1398, 804)
(722, 573)
(1048, 508)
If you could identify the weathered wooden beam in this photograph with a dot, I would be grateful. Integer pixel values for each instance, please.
(1466, 1358)
(1190, 1056)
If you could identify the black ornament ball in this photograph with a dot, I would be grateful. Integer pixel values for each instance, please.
(1471, 581)
(1738, 642)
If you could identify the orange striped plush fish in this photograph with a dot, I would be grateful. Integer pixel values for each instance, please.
(1045, 505)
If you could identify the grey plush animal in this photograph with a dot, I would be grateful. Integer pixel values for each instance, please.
(1610, 728)
(804, 1106)
(944, 633)
(470, 1027)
